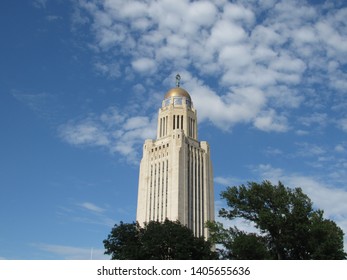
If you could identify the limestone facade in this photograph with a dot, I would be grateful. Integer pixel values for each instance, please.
(176, 179)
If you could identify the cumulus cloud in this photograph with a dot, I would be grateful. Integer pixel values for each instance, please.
(264, 47)
(86, 132)
(144, 65)
(239, 105)
(340, 148)
(343, 124)
(269, 121)
(112, 130)
(320, 119)
(111, 70)
(40, 3)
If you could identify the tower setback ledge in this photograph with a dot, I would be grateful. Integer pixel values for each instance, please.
(176, 177)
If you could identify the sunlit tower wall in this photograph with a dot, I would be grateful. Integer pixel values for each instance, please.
(176, 178)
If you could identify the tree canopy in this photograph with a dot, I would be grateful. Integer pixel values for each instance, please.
(156, 241)
(289, 227)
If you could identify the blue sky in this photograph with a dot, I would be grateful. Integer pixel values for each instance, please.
(80, 87)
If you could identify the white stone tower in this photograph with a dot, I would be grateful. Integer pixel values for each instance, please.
(175, 179)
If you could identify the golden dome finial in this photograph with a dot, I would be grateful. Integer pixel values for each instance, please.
(177, 91)
(178, 79)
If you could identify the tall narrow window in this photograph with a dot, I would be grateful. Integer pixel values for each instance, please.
(194, 129)
(166, 126)
(189, 183)
(162, 191)
(150, 194)
(166, 186)
(160, 127)
(174, 122)
(188, 126)
(154, 190)
(181, 122)
(203, 190)
(158, 192)
(195, 194)
(193, 125)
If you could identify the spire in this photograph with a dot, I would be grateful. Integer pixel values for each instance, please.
(178, 79)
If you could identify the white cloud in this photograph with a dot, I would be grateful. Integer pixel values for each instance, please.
(334, 207)
(310, 150)
(35, 101)
(53, 18)
(305, 35)
(249, 62)
(40, 3)
(301, 132)
(269, 121)
(129, 10)
(268, 172)
(287, 64)
(324, 193)
(223, 181)
(270, 48)
(144, 65)
(266, 37)
(86, 132)
(218, 41)
(270, 151)
(113, 130)
(343, 124)
(340, 148)
(240, 105)
(72, 252)
(320, 119)
(108, 37)
(329, 198)
(237, 12)
(111, 70)
(227, 181)
(200, 14)
(86, 213)
(240, 223)
(92, 207)
(329, 35)
(112, 117)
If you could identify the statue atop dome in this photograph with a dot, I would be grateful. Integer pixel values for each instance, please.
(178, 80)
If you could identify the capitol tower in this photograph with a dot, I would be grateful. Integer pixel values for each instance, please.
(175, 180)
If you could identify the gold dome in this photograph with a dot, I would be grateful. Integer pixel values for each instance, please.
(177, 92)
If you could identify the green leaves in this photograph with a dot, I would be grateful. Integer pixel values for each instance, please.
(123, 242)
(156, 241)
(289, 226)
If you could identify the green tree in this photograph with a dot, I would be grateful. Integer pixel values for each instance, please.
(156, 241)
(237, 244)
(123, 243)
(289, 227)
(326, 241)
